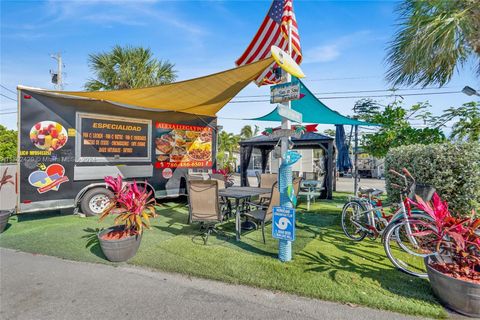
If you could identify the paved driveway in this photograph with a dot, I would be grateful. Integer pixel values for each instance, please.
(41, 287)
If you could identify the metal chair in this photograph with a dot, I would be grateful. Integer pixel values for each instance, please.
(264, 213)
(203, 205)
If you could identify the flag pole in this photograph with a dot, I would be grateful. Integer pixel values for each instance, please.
(285, 174)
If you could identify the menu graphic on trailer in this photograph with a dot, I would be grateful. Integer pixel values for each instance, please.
(178, 145)
(108, 137)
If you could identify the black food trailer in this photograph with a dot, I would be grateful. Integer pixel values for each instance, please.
(67, 145)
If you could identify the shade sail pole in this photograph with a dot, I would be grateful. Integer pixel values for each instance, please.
(285, 173)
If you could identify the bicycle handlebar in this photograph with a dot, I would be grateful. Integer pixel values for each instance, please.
(407, 173)
(405, 177)
(396, 173)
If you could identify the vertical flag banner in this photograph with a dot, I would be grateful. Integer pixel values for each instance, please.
(273, 32)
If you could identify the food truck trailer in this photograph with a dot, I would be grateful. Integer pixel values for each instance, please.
(68, 144)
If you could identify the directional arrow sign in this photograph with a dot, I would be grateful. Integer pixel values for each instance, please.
(285, 133)
(290, 114)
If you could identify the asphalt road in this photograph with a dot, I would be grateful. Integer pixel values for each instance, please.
(42, 287)
(346, 184)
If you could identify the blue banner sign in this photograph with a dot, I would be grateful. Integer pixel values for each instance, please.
(283, 223)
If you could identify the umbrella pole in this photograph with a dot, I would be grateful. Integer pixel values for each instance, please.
(355, 165)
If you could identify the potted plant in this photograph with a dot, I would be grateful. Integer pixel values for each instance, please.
(227, 175)
(5, 214)
(133, 207)
(454, 271)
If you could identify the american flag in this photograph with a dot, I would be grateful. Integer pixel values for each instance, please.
(273, 31)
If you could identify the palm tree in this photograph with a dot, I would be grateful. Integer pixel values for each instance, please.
(128, 67)
(247, 132)
(227, 143)
(435, 38)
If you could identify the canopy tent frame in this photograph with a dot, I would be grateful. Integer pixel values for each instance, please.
(308, 140)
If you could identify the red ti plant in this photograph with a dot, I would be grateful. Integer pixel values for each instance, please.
(133, 206)
(457, 240)
(227, 174)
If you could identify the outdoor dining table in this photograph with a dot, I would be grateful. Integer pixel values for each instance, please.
(312, 190)
(239, 194)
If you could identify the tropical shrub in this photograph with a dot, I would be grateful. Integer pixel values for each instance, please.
(456, 239)
(133, 206)
(452, 168)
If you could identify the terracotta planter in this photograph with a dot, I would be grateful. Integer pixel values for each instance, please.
(4, 215)
(461, 296)
(119, 250)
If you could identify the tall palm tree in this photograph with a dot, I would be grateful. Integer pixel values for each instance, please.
(435, 38)
(128, 67)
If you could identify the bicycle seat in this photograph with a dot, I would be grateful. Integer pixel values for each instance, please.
(371, 191)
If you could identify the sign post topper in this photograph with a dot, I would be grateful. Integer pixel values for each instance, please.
(283, 223)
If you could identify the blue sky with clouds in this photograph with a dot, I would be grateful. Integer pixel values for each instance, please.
(343, 45)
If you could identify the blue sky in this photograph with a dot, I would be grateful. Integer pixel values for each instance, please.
(343, 44)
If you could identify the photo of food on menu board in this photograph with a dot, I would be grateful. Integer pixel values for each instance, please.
(179, 145)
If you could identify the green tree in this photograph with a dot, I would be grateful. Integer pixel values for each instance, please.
(227, 144)
(434, 39)
(365, 109)
(329, 132)
(247, 132)
(128, 67)
(467, 125)
(396, 129)
(8, 144)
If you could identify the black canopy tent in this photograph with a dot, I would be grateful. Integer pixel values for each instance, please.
(308, 140)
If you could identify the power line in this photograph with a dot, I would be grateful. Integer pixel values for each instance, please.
(359, 97)
(393, 90)
(346, 78)
(1, 94)
(1, 85)
(12, 112)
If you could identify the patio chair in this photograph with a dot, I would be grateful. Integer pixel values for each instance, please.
(225, 204)
(258, 174)
(203, 205)
(220, 178)
(267, 180)
(264, 213)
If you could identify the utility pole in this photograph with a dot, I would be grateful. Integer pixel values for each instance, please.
(57, 77)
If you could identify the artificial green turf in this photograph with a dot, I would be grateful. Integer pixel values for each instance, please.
(326, 264)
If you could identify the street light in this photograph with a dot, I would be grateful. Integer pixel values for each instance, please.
(469, 91)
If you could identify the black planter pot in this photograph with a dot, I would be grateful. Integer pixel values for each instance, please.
(4, 215)
(119, 250)
(461, 296)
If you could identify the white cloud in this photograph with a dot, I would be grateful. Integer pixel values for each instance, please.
(333, 50)
(323, 53)
(109, 12)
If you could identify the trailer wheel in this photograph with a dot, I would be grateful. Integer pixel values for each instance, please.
(95, 201)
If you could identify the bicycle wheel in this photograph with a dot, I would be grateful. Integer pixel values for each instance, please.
(353, 217)
(406, 244)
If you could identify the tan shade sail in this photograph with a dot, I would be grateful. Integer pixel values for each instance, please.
(202, 96)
